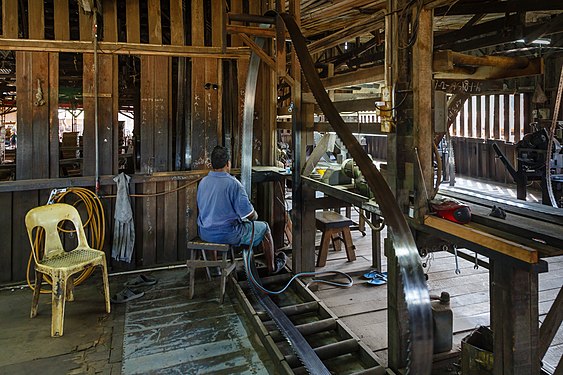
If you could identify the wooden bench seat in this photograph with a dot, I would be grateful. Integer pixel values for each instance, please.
(199, 247)
(332, 224)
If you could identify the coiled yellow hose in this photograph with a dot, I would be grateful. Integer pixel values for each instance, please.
(94, 225)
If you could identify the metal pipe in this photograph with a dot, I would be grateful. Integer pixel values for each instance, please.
(96, 141)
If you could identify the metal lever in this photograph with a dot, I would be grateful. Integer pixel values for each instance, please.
(476, 266)
(457, 270)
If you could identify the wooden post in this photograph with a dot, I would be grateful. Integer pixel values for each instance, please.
(506, 119)
(470, 117)
(478, 122)
(133, 21)
(10, 19)
(514, 319)
(62, 31)
(496, 118)
(518, 126)
(422, 103)
(487, 110)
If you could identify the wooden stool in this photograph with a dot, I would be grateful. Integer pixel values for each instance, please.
(332, 224)
(226, 266)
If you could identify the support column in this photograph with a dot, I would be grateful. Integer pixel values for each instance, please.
(514, 319)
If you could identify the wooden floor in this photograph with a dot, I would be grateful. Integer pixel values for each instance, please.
(96, 342)
(364, 307)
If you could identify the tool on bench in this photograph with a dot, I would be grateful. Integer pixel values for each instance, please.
(451, 210)
(457, 270)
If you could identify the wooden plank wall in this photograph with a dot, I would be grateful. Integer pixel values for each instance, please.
(163, 223)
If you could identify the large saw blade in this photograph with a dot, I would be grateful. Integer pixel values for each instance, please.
(414, 284)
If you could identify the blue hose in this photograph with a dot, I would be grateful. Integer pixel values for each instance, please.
(248, 254)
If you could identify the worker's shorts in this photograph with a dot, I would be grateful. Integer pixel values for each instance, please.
(260, 229)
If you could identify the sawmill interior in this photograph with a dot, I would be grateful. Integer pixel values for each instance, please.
(406, 156)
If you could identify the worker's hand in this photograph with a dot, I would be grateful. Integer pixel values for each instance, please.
(253, 216)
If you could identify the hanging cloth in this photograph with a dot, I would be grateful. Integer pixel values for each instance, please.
(124, 227)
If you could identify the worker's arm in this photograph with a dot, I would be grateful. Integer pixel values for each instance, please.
(253, 216)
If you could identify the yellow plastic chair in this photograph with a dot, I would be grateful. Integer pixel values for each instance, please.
(59, 264)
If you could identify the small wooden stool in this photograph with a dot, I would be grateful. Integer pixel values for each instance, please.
(226, 266)
(332, 224)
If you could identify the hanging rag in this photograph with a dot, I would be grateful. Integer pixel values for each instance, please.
(124, 227)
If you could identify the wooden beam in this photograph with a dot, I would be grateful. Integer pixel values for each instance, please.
(422, 116)
(133, 23)
(85, 25)
(62, 31)
(362, 26)
(36, 20)
(551, 324)
(367, 75)
(118, 48)
(32, 74)
(109, 9)
(514, 318)
(155, 24)
(498, 7)
(252, 30)
(536, 67)
(446, 60)
(176, 23)
(259, 51)
(54, 115)
(10, 18)
(219, 18)
(494, 243)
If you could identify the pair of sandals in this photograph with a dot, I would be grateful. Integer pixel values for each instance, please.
(375, 277)
(129, 294)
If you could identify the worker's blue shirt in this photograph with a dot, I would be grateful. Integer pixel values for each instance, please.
(222, 203)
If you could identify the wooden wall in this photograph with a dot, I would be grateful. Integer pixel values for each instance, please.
(183, 50)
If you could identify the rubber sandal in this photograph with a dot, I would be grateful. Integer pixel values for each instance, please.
(141, 280)
(372, 274)
(280, 260)
(377, 281)
(126, 295)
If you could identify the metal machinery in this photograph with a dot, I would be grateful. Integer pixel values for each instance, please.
(531, 158)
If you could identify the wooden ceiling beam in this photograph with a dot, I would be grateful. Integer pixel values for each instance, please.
(368, 75)
(358, 28)
(495, 6)
(535, 67)
(449, 39)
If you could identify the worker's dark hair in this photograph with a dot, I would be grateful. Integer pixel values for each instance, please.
(219, 157)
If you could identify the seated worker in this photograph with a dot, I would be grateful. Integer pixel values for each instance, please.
(226, 214)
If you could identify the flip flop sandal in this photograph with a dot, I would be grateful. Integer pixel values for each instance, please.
(141, 280)
(377, 281)
(126, 295)
(373, 274)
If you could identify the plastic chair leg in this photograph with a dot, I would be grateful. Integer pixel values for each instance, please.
(36, 293)
(58, 308)
(70, 288)
(106, 284)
